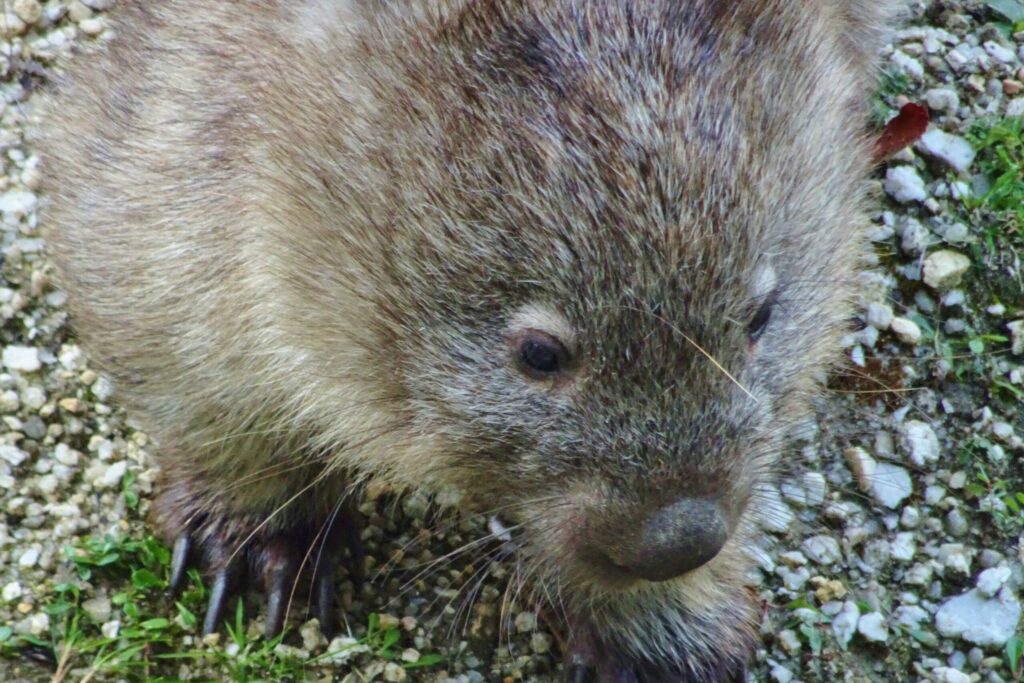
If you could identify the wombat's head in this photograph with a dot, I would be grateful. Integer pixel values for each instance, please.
(619, 257)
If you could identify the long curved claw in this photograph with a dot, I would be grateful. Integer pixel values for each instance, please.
(323, 599)
(279, 579)
(179, 562)
(230, 550)
(219, 591)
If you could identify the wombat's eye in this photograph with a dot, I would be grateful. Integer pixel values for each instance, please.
(759, 323)
(540, 355)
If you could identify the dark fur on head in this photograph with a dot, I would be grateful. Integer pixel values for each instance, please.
(320, 226)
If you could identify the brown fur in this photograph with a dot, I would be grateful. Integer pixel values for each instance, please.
(300, 234)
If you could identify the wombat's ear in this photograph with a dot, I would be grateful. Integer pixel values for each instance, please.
(870, 24)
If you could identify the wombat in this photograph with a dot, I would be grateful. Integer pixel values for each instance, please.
(580, 261)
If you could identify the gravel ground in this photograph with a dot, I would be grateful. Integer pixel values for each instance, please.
(893, 547)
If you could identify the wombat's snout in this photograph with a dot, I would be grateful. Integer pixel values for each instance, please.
(670, 541)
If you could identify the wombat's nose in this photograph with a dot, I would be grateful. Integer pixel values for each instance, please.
(674, 540)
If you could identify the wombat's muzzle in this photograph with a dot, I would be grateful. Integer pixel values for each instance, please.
(671, 541)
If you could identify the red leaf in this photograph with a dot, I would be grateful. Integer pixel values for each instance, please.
(904, 129)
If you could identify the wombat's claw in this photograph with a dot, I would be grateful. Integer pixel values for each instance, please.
(223, 581)
(274, 560)
(323, 599)
(279, 574)
(179, 562)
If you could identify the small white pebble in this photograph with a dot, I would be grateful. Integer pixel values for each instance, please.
(13, 455)
(1016, 329)
(102, 388)
(91, 27)
(994, 50)
(955, 558)
(903, 547)
(991, 581)
(47, 484)
(36, 625)
(29, 558)
(920, 442)
(793, 558)
(844, 625)
(28, 11)
(77, 11)
(98, 608)
(956, 523)
(1002, 430)
(910, 615)
(912, 67)
(942, 99)
(18, 202)
(789, 641)
(955, 297)
(793, 579)
(879, 315)
(872, 626)
(12, 591)
(904, 185)
(111, 629)
(822, 549)
(108, 476)
(22, 358)
(910, 518)
(945, 674)
(9, 401)
(951, 150)
(891, 485)
(394, 673)
(343, 648)
(943, 269)
(906, 330)
(66, 455)
(33, 397)
(914, 237)
(312, 637)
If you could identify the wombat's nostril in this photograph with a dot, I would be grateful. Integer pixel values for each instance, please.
(674, 540)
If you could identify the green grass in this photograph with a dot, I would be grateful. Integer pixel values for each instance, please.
(1005, 503)
(149, 645)
(1000, 147)
(1015, 656)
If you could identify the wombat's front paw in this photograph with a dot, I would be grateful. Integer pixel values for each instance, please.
(231, 549)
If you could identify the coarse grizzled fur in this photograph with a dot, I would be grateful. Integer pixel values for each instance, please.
(299, 235)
